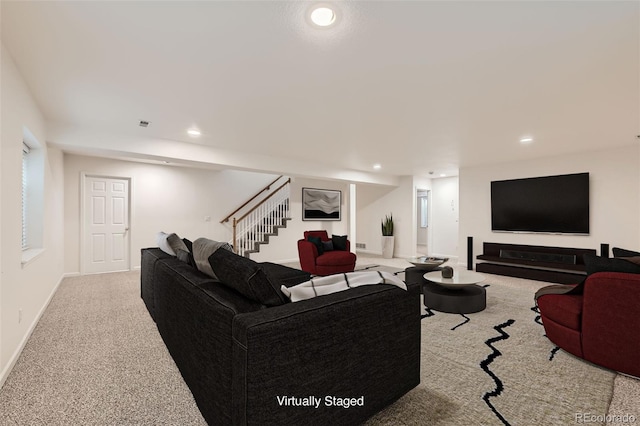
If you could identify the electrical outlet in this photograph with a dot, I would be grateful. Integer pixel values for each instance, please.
(207, 218)
(19, 316)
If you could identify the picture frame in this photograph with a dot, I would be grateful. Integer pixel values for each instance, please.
(321, 204)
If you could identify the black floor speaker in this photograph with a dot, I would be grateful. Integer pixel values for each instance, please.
(470, 253)
(604, 250)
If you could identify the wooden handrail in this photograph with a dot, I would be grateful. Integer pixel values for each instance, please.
(266, 188)
(263, 201)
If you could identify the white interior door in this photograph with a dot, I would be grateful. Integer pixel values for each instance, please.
(106, 225)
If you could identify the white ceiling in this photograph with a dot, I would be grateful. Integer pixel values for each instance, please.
(417, 86)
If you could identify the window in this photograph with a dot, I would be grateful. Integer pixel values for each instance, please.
(33, 167)
(25, 192)
(423, 211)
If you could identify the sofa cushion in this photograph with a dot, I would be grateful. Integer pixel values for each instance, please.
(336, 257)
(316, 242)
(562, 308)
(339, 242)
(203, 248)
(246, 277)
(284, 275)
(595, 264)
(327, 246)
(619, 252)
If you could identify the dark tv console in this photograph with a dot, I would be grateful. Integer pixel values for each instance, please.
(552, 264)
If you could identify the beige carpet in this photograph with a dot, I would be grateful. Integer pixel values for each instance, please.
(96, 358)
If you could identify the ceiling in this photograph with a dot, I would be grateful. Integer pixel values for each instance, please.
(416, 86)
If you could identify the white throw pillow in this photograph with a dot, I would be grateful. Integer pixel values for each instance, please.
(163, 244)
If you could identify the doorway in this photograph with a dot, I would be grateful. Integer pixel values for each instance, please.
(105, 221)
(422, 226)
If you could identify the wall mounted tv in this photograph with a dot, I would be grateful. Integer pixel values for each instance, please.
(550, 204)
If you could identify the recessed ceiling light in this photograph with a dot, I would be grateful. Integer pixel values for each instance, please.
(377, 166)
(323, 16)
(193, 132)
(526, 140)
(443, 175)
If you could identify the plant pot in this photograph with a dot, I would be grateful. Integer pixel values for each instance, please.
(387, 246)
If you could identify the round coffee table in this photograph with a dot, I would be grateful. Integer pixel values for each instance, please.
(457, 295)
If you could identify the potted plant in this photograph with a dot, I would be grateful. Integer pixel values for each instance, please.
(387, 237)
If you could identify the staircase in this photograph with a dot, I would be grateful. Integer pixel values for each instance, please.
(260, 217)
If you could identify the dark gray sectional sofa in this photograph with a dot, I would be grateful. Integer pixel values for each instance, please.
(249, 364)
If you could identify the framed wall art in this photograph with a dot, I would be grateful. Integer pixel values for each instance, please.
(321, 204)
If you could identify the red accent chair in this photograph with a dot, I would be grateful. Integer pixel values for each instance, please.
(602, 324)
(330, 262)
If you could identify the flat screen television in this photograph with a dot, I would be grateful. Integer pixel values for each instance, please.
(549, 204)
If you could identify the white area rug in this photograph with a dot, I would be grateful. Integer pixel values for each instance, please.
(496, 367)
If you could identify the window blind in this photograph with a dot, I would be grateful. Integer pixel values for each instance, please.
(25, 183)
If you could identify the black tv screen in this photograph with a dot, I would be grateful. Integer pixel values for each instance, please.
(552, 204)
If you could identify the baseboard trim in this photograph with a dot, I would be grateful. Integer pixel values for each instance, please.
(16, 354)
(70, 274)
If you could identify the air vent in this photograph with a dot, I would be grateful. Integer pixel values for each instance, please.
(361, 245)
(144, 123)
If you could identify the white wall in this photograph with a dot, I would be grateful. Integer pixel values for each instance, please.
(374, 202)
(614, 199)
(284, 247)
(444, 218)
(27, 287)
(163, 198)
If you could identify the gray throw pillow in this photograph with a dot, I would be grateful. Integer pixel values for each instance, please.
(176, 243)
(202, 249)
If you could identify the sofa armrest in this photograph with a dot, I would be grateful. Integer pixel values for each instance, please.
(610, 322)
(194, 316)
(149, 257)
(307, 253)
(362, 343)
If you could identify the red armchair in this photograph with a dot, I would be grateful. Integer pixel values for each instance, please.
(601, 325)
(330, 262)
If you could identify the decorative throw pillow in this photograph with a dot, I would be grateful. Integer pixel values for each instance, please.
(189, 244)
(202, 249)
(618, 252)
(246, 277)
(184, 256)
(595, 264)
(176, 243)
(318, 243)
(163, 244)
(632, 259)
(339, 242)
(327, 245)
